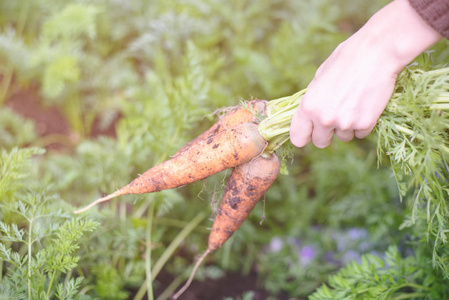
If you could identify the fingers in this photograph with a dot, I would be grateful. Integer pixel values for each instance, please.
(322, 135)
(300, 129)
(305, 129)
(344, 135)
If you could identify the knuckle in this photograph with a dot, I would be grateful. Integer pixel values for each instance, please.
(345, 124)
(326, 120)
(347, 120)
(308, 107)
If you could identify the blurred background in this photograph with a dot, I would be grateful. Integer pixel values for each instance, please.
(109, 88)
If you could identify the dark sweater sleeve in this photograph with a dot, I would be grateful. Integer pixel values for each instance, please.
(435, 13)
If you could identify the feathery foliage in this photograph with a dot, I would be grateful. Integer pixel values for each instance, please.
(29, 219)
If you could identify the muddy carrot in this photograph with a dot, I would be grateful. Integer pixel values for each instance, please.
(245, 187)
(227, 149)
(247, 113)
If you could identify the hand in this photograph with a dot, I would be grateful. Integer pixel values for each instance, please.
(352, 87)
(347, 96)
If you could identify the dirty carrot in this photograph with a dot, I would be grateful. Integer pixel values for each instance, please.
(246, 185)
(227, 149)
(246, 113)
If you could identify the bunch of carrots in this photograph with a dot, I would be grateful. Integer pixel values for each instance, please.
(233, 142)
(245, 139)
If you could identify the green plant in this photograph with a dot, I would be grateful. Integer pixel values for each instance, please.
(15, 131)
(394, 277)
(416, 144)
(39, 239)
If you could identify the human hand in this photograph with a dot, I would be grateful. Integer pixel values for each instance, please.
(347, 96)
(352, 87)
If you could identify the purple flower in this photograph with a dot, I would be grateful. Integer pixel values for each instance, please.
(306, 255)
(276, 244)
(357, 233)
(365, 246)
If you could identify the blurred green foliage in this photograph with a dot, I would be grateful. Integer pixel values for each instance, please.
(162, 68)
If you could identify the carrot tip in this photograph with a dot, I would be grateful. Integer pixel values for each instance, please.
(103, 199)
(189, 281)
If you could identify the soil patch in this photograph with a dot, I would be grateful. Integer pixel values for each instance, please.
(232, 285)
(50, 120)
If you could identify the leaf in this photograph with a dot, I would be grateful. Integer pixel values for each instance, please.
(67, 291)
(12, 164)
(60, 254)
(15, 130)
(14, 54)
(75, 20)
(61, 72)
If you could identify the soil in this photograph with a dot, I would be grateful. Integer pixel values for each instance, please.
(232, 285)
(50, 120)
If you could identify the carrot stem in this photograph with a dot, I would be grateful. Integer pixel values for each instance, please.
(418, 136)
(276, 127)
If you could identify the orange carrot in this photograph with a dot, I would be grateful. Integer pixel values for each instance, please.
(227, 149)
(240, 114)
(246, 185)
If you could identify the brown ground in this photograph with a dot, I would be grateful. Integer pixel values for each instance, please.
(50, 120)
(231, 285)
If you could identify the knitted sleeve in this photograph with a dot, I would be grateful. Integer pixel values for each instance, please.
(435, 13)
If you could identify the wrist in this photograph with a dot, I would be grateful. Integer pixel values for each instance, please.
(398, 34)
